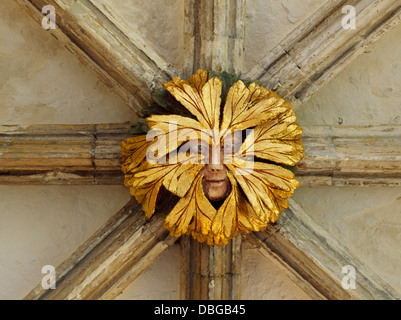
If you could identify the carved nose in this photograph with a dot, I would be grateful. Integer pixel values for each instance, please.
(217, 167)
(216, 160)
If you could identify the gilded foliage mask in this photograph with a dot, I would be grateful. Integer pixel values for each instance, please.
(223, 146)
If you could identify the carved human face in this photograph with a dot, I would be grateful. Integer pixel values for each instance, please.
(215, 180)
(219, 195)
(216, 184)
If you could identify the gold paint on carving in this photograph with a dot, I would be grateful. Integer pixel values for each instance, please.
(259, 188)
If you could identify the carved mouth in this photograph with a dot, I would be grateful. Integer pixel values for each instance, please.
(216, 183)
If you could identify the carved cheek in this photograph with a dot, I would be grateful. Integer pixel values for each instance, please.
(216, 191)
(216, 184)
(214, 172)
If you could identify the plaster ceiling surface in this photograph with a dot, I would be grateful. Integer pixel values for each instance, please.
(165, 271)
(44, 225)
(366, 220)
(267, 22)
(41, 82)
(366, 92)
(159, 23)
(264, 279)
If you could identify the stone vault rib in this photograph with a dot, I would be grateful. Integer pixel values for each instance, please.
(214, 40)
(214, 35)
(110, 260)
(120, 58)
(61, 154)
(210, 272)
(314, 260)
(320, 48)
(293, 83)
(90, 154)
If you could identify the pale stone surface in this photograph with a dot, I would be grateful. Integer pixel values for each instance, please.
(44, 225)
(269, 21)
(161, 281)
(367, 92)
(41, 82)
(366, 220)
(263, 279)
(159, 24)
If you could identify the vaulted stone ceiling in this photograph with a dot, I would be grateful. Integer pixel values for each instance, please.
(43, 95)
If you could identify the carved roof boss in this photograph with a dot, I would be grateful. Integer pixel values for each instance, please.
(224, 147)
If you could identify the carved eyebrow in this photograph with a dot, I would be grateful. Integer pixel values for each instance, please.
(233, 142)
(186, 146)
(191, 142)
(195, 142)
(233, 139)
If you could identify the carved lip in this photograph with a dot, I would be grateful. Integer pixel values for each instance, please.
(216, 182)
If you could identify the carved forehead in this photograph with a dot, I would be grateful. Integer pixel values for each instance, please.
(196, 142)
(235, 137)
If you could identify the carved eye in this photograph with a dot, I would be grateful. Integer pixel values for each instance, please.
(231, 147)
(194, 147)
(202, 149)
(232, 143)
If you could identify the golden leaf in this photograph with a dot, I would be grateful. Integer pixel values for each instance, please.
(145, 185)
(173, 123)
(147, 196)
(266, 186)
(259, 190)
(133, 152)
(278, 140)
(199, 79)
(208, 238)
(176, 129)
(192, 214)
(234, 216)
(247, 219)
(201, 98)
(179, 180)
(249, 107)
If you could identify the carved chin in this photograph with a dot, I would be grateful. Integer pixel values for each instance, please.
(216, 190)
